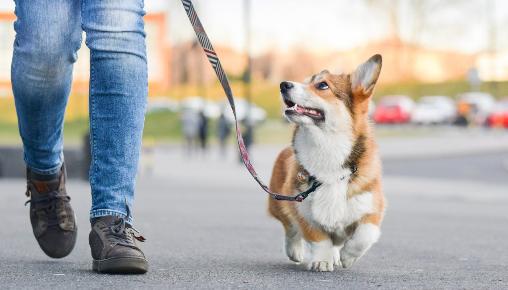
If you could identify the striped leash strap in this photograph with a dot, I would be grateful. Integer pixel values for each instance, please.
(221, 75)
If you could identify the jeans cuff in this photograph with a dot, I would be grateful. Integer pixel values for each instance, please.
(106, 212)
(50, 171)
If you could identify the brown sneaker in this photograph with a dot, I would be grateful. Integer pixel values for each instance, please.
(51, 215)
(114, 249)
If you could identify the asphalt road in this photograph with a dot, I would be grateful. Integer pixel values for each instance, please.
(491, 167)
(207, 227)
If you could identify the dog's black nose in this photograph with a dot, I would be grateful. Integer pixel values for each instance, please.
(285, 86)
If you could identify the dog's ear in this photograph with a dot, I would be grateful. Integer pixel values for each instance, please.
(364, 78)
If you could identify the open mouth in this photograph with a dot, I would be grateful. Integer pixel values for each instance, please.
(295, 109)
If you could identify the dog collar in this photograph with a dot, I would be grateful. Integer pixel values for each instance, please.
(304, 177)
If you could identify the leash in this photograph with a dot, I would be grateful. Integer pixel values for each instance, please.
(221, 75)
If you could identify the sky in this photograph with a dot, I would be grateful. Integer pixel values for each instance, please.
(328, 25)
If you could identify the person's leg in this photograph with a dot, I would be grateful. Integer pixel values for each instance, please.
(48, 34)
(118, 92)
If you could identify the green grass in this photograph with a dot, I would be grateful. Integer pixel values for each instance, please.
(165, 126)
(73, 132)
(9, 133)
(274, 131)
(162, 126)
(267, 96)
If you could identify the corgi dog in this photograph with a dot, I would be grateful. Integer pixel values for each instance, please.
(333, 142)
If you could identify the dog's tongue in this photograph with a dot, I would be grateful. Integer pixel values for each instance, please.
(302, 110)
(299, 109)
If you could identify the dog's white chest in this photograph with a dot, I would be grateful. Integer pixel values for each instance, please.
(329, 208)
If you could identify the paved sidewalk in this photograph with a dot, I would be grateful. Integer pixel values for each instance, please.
(207, 228)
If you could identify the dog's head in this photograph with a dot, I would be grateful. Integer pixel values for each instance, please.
(330, 101)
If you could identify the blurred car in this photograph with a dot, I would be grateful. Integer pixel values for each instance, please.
(198, 104)
(477, 106)
(393, 110)
(499, 116)
(244, 110)
(434, 110)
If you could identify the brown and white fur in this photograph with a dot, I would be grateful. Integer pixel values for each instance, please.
(339, 221)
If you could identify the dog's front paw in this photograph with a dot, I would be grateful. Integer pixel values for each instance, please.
(321, 266)
(295, 251)
(295, 248)
(322, 256)
(364, 237)
(347, 260)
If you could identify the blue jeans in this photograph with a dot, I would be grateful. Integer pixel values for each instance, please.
(48, 35)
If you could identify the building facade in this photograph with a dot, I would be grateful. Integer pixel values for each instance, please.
(157, 50)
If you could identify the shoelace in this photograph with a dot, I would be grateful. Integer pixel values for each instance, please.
(49, 206)
(123, 234)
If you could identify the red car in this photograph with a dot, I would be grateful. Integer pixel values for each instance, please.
(393, 110)
(499, 116)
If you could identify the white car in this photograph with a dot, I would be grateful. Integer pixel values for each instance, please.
(244, 111)
(198, 104)
(434, 110)
(214, 109)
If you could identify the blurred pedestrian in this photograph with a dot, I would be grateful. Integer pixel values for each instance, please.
(247, 133)
(463, 118)
(190, 127)
(48, 36)
(223, 131)
(203, 130)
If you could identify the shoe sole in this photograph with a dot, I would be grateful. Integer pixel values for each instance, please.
(121, 265)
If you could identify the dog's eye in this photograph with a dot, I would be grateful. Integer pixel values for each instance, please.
(322, 86)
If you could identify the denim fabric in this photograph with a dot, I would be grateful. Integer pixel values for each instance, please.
(48, 35)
